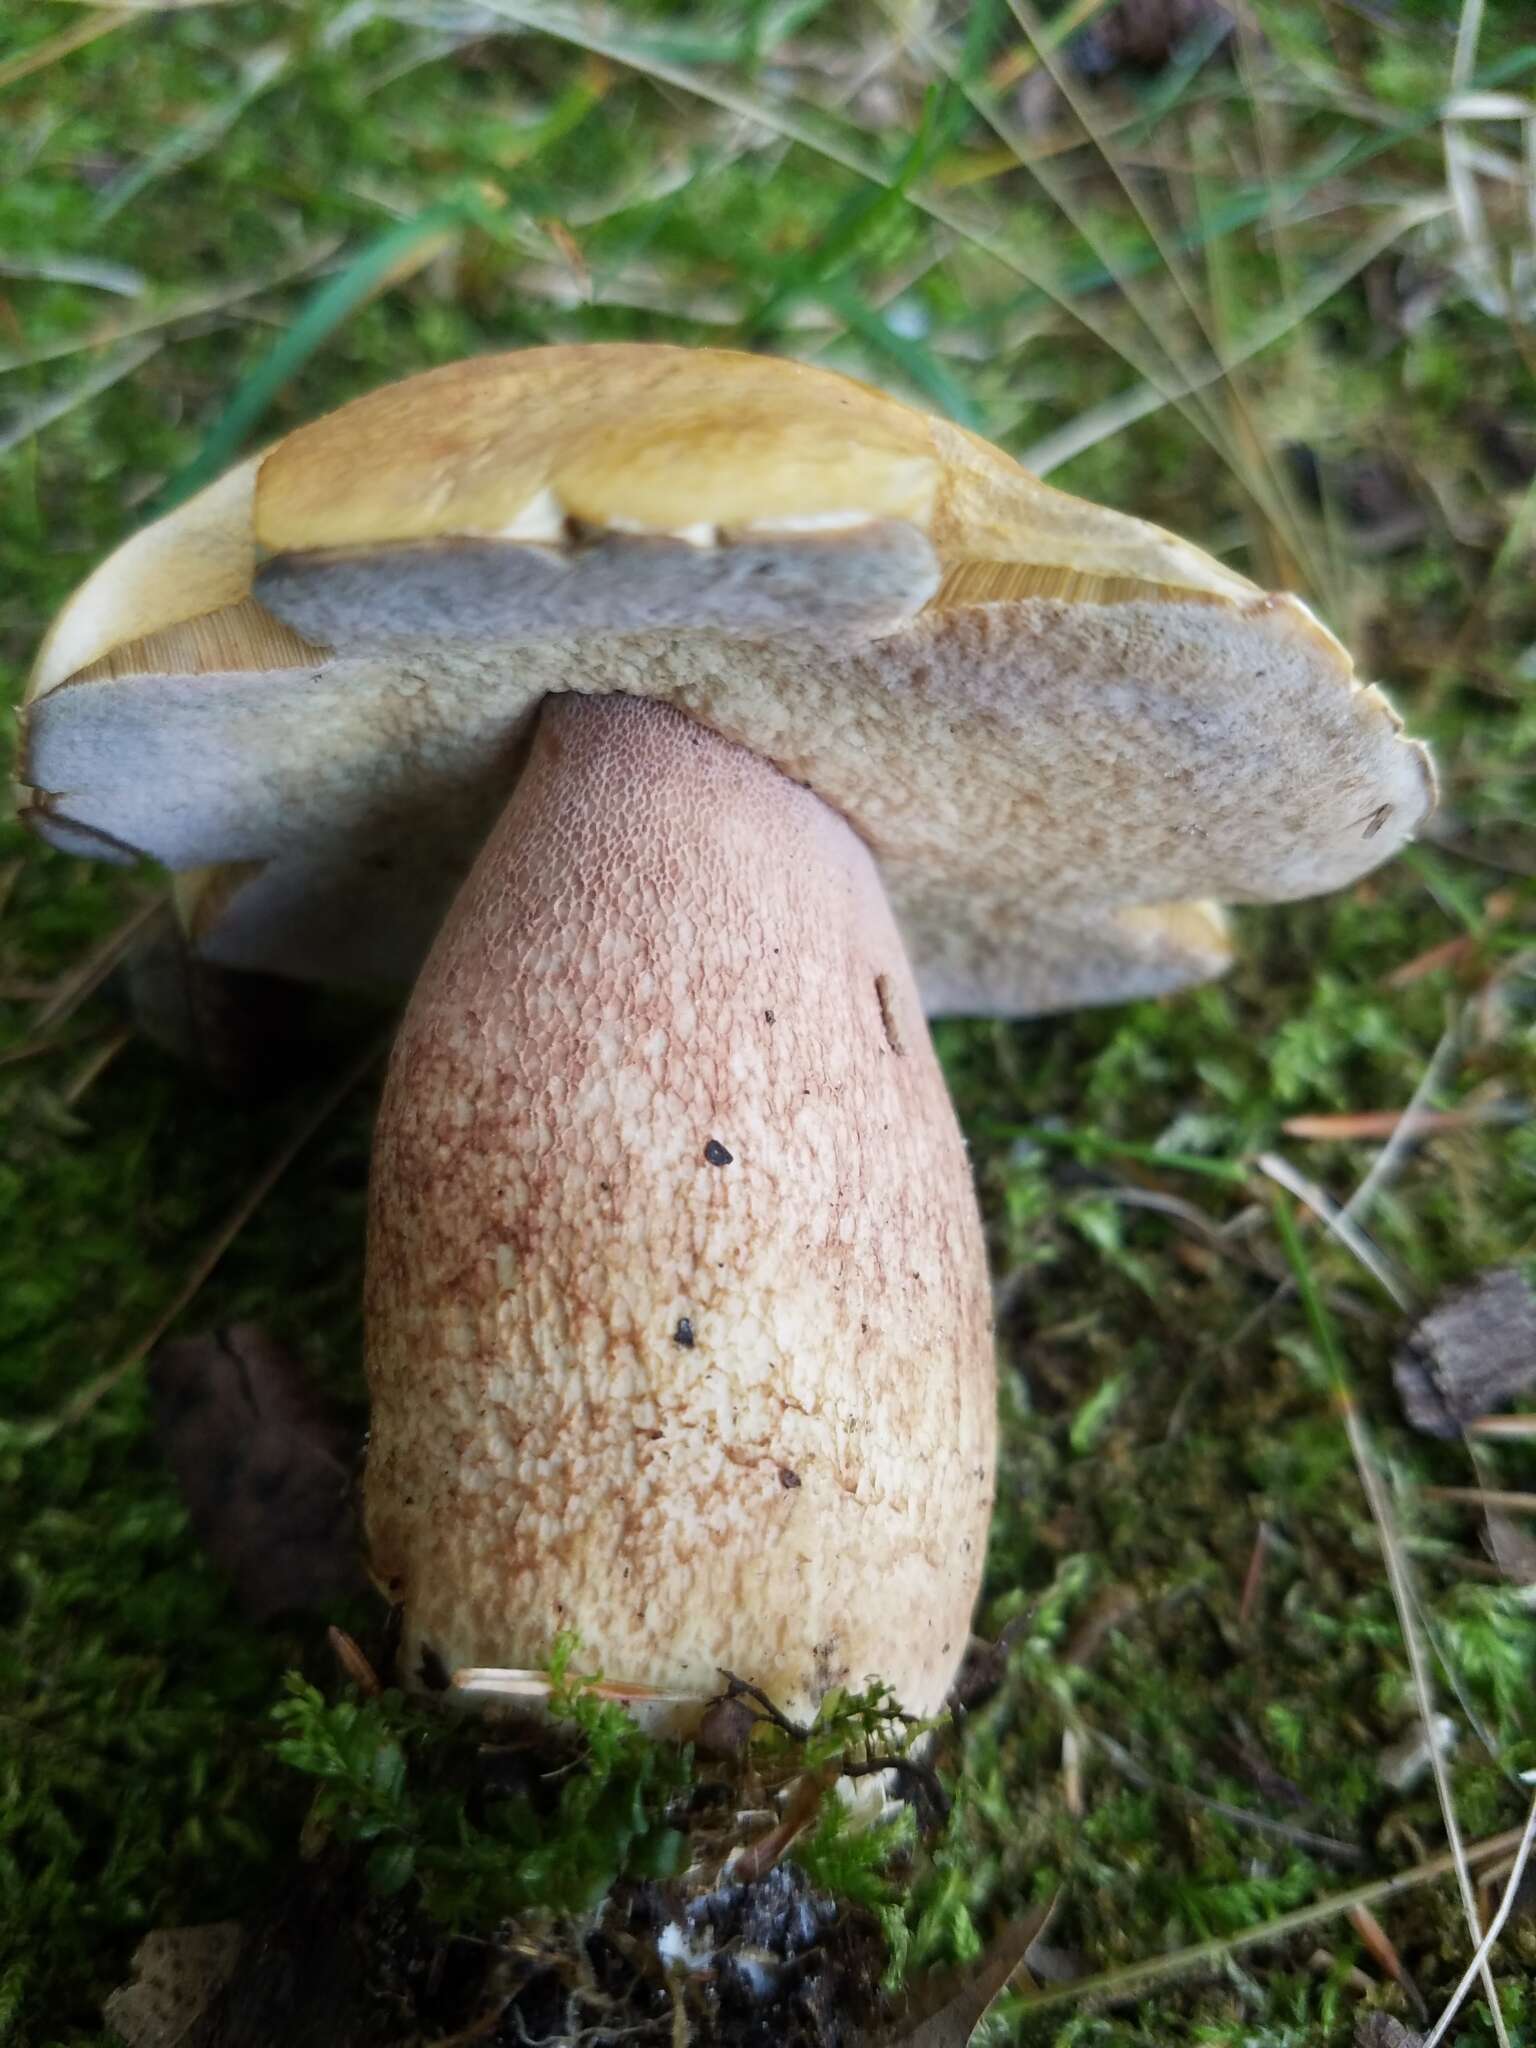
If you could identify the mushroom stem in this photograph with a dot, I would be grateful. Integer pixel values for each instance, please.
(679, 1331)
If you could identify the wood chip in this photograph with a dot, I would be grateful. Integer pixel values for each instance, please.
(1512, 1549)
(1475, 1350)
(176, 1973)
(1380, 2030)
(957, 2021)
(263, 1466)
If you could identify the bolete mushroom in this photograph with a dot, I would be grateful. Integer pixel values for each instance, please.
(750, 685)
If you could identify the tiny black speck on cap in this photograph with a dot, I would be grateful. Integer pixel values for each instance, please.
(716, 1153)
(683, 1334)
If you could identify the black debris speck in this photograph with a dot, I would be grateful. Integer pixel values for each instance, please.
(683, 1334)
(787, 1479)
(716, 1153)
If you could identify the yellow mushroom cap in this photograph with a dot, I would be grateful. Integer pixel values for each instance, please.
(1064, 734)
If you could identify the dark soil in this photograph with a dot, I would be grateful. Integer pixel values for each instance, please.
(771, 1964)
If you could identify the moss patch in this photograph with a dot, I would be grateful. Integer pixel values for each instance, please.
(1185, 1572)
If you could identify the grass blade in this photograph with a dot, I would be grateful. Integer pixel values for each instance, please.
(1404, 1594)
(370, 270)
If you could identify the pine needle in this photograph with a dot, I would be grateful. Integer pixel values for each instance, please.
(1114, 1985)
(1404, 1594)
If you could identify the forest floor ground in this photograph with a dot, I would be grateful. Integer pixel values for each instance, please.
(1266, 279)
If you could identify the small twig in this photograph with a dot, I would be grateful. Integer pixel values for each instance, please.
(92, 1068)
(38, 1048)
(1412, 1123)
(1117, 1984)
(1399, 1577)
(1072, 1772)
(1254, 1577)
(1340, 1223)
(1405, 1597)
(1479, 1963)
(1511, 1428)
(759, 1857)
(186, 314)
(676, 1992)
(1387, 1161)
(62, 44)
(1483, 1497)
(353, 1662)
(1383, 1951)
(28, 420)
(70, 992)
(493, 1681)
(739, 1688)
(1449, 953)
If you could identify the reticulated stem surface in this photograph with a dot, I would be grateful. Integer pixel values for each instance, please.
(678, 1321)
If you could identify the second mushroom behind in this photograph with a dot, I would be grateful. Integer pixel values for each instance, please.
(677, 1305)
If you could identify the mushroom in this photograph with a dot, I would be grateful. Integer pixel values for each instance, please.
(777, 713)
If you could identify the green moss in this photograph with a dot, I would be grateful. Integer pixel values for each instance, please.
(1159, 1410)
(397, 1778)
